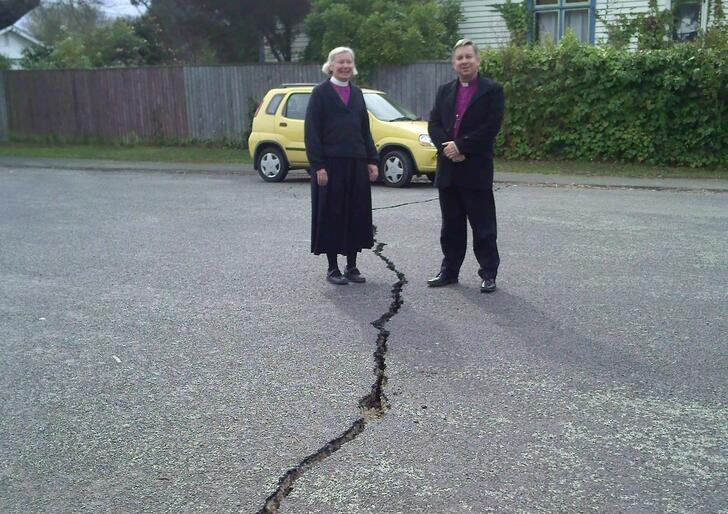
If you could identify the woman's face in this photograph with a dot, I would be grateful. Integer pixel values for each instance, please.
(342, 67)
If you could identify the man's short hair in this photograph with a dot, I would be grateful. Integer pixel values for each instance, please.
(466, 42)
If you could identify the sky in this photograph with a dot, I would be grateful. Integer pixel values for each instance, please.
(118, 8)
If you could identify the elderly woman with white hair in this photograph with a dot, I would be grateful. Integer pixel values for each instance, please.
(343, 162)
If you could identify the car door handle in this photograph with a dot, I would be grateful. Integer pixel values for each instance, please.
(283, 124)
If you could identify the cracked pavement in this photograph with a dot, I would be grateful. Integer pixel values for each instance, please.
(169, 344)
(373, 405)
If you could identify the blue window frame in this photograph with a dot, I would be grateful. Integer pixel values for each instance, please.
(687, 20)
(551, 19)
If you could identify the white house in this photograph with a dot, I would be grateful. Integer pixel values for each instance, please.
(13, 41)
(486, 27)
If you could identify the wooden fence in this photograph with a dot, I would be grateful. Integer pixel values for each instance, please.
(3, 113)
(175, 103)
(414, 85)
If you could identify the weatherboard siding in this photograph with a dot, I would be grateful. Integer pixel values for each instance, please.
(483, 24)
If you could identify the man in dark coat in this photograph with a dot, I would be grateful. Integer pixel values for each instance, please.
(464, 122)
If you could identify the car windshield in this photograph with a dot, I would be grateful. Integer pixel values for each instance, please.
(386, 109)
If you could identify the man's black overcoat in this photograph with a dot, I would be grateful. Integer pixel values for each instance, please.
(478, 128)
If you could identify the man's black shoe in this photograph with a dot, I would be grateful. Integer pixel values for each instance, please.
(353, 275)
(442, 280)
(488, 285)
(334, 276)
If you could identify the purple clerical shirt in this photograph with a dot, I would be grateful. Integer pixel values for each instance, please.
(465, 94)
(344, 92)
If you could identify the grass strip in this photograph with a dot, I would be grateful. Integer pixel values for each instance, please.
(224, 154)
(199, 154)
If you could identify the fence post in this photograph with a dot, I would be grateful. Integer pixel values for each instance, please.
(3, 110)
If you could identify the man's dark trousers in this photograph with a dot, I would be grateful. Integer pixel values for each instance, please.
(459, 205)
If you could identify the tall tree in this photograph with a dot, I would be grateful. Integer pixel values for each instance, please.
(53, 22)
(279, 22)
(12, 10)
(180, 29)
(157, 49)
(114, 44)
(232, 29)
(451, 16)
(383, 31)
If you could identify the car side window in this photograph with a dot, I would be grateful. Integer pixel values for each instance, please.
(274, 103)
(296, 106)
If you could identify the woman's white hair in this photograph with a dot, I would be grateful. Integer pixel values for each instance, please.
(326, 68)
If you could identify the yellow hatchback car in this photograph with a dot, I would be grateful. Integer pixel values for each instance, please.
(276, 141)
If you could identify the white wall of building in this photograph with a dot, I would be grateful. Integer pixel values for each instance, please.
(12, 45)
(484, 25)
(13, 41)
(487, 28)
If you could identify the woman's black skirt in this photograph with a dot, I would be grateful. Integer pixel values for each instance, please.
(341, 211)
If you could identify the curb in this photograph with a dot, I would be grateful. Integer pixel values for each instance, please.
(526, 179)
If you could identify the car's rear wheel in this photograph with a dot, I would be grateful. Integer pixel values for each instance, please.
(272, 165)
(431, 177)
(396, 168)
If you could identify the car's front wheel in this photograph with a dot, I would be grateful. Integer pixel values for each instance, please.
(272, 165)
(396, 168)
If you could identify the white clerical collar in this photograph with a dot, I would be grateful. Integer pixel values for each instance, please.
(467, 84)
(339, 82)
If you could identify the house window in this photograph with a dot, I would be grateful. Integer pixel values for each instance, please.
(552, 18)
(687, 21)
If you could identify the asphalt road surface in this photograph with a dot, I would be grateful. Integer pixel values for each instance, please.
(169, 344)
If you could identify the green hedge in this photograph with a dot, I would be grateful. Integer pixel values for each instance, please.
(576, 101)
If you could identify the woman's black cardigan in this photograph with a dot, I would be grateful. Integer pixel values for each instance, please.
(333, 129)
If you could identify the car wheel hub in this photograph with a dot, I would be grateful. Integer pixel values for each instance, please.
(270, 165)
(393, 169)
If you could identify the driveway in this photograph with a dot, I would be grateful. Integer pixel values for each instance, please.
(169, 344)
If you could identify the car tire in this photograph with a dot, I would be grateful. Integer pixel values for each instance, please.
(272, 165)
(396, 168)
(431, 178)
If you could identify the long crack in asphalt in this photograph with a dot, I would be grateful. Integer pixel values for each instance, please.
(403, 204)
(374, 405)
(419, 202)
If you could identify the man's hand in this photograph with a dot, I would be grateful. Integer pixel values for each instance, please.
(458, 158)
(373, 172)
(450, 149)
(322, 178)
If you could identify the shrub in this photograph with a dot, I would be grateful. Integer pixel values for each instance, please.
(577, 101)
(5, 62)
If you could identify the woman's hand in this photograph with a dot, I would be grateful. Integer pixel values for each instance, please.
(322, 178)
(373, 172)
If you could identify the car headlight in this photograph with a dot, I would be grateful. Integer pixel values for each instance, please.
(425, 140)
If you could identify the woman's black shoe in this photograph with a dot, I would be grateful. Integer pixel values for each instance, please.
(353, 275)
(334, 276)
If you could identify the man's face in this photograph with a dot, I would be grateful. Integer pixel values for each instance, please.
(465, 62)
